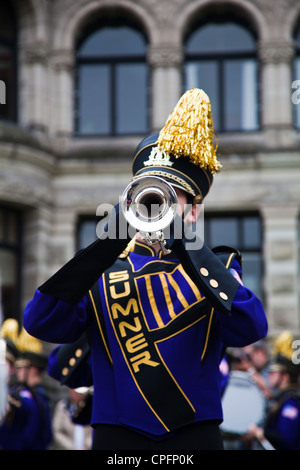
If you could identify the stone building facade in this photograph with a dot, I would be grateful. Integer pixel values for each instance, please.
(54, 173)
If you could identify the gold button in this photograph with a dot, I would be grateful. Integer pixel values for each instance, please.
(214, 283)
(204, 272)
(78, 353)
(72, 361)
(223, 295)
(65, 371)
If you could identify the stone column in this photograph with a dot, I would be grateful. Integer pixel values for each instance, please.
(49, 242)
(165, 63)
(281, 262)
(276, 100)
(63, 241)
(35, 100)
(36, 233)
(62, 94)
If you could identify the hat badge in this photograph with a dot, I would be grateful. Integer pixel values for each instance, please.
(158, 157)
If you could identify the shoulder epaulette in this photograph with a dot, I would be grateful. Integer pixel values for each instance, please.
(227, 254)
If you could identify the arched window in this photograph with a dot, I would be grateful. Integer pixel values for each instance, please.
(220, 58)
(296, 79)
(111, 82)
(8, 45)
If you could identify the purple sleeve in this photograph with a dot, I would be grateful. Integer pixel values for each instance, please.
(54, 320)
(247, 322)
(81, 377)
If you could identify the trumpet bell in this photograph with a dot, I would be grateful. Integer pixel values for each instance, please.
(149, 204)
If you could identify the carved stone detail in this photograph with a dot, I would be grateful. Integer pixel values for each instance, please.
(276, 52)
(63, 59)
(36, 52)
(166, 56)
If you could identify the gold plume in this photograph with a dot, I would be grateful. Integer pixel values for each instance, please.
(189, 131)
(28, 343)
(10, 329)
(283, 344)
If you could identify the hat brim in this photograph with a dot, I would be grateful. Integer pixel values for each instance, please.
(28, 359)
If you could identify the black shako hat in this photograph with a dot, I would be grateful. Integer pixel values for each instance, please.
(183, 152)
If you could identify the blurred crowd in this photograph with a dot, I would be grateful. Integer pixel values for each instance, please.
(259, 385)
(261, 396)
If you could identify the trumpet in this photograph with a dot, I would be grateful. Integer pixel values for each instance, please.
(149, 205)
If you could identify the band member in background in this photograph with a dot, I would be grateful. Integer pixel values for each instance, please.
(158, 321)
(27, 423)
(282, 423)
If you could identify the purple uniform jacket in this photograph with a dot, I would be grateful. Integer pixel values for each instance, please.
(156, 341)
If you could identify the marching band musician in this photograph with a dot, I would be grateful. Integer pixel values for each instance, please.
(27, 423)
(158, 321)
(8, 355)
(281, 428)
